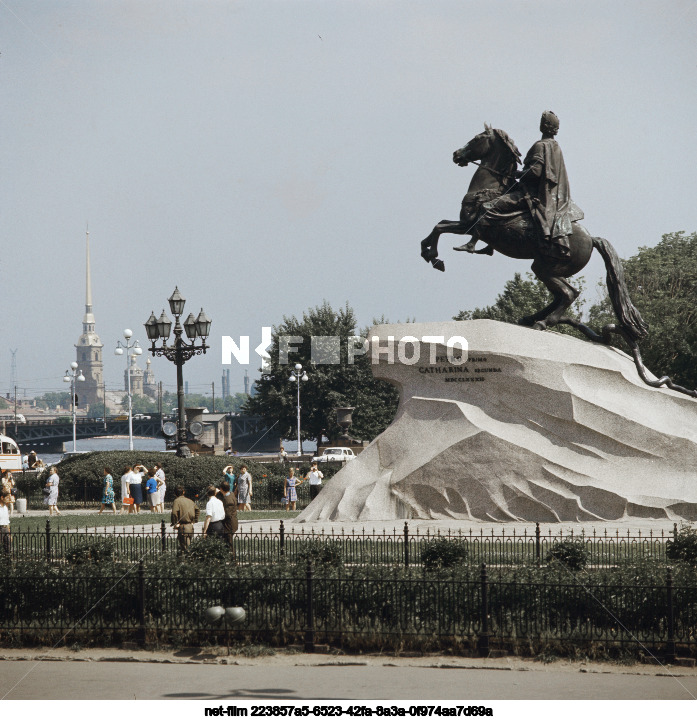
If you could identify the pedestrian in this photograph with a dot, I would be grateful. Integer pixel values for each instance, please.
(151, 490)
(229, 501)
(289, 486)
(51, 499)
(25, 462)
(126, 498)
(282, 456)
(161, 485)
(182, 518)
(5, 536)
(8, 485)
(244, 490)
(107, 491)
(31, 458)
(315, 478)
(136, 484)
(229, 472)
(215, 514)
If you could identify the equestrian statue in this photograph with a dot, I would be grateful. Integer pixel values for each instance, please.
(529, 214)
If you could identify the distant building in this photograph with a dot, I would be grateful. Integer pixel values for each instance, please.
(136, 377)
(149, 384)
(89, 351)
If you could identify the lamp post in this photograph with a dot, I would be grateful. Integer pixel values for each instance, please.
(295, 377)
(132, 349)
(72, 376)
(180, 351)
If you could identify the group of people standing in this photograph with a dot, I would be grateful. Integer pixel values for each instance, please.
(137, 484)
(240, 485)
(290, 494)
(221, 509)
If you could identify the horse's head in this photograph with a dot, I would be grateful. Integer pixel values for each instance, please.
(494, 145)
(475, 149)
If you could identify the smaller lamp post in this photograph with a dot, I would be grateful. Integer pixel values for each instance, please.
(132, 349)
(71, 376)
(295, 377)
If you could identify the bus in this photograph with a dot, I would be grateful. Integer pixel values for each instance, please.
(10, 457)
(10, 418)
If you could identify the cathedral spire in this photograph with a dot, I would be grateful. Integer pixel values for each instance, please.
(89, 316)
(89, 347)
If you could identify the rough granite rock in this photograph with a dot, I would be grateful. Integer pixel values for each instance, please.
(534, 426)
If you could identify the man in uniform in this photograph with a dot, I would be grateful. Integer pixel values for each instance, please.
(183, 516)
(229, 500)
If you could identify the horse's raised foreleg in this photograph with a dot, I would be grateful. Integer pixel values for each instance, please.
(564, 294)
(429, 245)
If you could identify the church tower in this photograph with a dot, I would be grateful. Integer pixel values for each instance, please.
(89, 351)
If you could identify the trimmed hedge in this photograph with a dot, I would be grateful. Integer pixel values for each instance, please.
(80, 475)
(684, 546)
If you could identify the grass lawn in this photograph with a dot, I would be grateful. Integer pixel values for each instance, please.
(90, 519)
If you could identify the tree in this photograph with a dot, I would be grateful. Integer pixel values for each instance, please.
(520, 298)
(330, 384)
(52, 400)
(662, 283)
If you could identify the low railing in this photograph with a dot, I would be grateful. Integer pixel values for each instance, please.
(476, 613)
(399, 547)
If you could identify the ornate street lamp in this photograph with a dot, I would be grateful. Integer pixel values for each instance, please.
(180, 351)
(132, 349)
(71, 376)
(296, 377)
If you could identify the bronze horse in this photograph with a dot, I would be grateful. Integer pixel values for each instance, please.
(516, 238)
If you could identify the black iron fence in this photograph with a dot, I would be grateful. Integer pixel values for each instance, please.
(477, 613)
(397, 547)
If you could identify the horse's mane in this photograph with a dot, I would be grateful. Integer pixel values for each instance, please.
(508, 141)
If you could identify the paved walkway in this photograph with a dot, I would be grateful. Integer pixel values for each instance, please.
(620, 528)
(195, 674)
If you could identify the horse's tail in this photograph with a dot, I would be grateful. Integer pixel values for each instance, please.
(629, 317)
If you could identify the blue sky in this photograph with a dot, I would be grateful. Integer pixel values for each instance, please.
(266, 156)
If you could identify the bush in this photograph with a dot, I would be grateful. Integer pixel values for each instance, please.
(572, 554)
(443, 553)
(684, 546)
(87, 470)
(96, 551)
(321, 553)
(209, 550)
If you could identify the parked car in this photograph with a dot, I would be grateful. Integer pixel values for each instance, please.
(335, 454)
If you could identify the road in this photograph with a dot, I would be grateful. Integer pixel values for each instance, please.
(294, 678)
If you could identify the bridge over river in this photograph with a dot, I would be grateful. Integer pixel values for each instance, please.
(51, 434)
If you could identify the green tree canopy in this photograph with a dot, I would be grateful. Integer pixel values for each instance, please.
(329, 385)
(521, 297)
(662, 283)
(52, 399)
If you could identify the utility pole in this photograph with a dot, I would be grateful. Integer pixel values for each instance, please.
(213, 391)
(13, 370)
(15, 412)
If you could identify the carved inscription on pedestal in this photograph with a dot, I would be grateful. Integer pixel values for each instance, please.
(477, 369)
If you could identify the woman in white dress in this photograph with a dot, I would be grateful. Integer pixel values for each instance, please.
(125, 491)
(51, 499)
